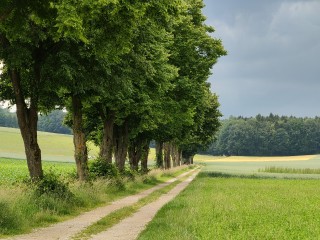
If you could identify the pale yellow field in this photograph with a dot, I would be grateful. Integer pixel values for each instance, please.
(204, 158)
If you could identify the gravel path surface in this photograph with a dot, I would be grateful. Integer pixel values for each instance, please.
(131, 227)
(67, 229)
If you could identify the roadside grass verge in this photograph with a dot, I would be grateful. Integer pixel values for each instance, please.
(118, 215)
(274, 169)
(215, 206)
(21, 209)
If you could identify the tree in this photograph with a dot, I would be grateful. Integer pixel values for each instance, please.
(193, 52)
(27, 33)
(206, 125)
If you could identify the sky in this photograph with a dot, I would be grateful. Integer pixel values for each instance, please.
(273, 61)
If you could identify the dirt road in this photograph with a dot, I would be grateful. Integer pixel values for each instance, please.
(67, 229)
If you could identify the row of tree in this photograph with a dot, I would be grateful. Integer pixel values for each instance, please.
(267, 136)
(126, 71)
(52, 122)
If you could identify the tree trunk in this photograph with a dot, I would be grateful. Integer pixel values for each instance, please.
(180, 157)
(135, 153)
(191, 159)
(167, 158)
(107, 138)
(27, 120)
(79, 140)
(139, 151)
(121, 139)
(175, 155)
(188, 159)
(159, 154)
(145, 155)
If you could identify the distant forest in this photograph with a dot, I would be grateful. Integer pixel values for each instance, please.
(267, 136)
(53, 122)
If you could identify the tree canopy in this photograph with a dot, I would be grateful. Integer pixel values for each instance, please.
(126, 71)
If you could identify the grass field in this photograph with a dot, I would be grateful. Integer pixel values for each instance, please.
(231, 199)
(217, 206)
(54, 147)
(16, 170)
(253, 165)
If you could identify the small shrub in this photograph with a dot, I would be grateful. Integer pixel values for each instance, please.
(149, 179)
(51, 185)
(131, 174)
(118, 183)
(101, 168)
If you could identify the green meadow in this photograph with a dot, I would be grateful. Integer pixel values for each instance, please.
(54, 147)
(272, 167)
(245, 198)
(15, 170)
(222, 206)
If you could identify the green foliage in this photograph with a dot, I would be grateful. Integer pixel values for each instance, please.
(100, 168)
(53, 122)
(8, 119)
(268, 136)
(191, 110)
(144, 63)
(52, 185)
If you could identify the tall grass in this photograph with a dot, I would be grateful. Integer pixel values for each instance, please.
(274, 169)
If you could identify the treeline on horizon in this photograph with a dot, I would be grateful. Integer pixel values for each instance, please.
(271, 135)
(53, 122)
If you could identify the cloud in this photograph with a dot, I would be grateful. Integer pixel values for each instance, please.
(272, 62)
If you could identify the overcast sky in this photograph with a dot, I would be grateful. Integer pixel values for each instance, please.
(273, 62)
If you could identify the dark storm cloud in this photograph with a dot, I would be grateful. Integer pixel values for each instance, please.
(272, 63)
